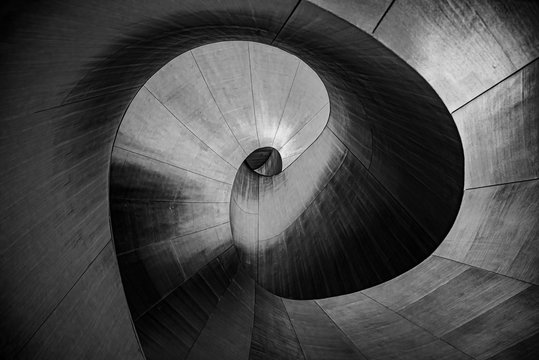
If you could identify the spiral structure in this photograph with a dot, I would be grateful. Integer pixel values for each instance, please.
(304, 179)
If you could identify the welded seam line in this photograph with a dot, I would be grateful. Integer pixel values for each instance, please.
(259, 180)
(293, 328)
(419, 326)
(493, 86)
(501, 184)
(254, 317)
(285, 103)
(63, 297)
(487, 270)
(175, 166)
(285, 22)
(311, 144)
(90, 98)
(242, 209)
(171, 239)
(383, 16)
(216, 104)
(191, 131)
(219, 298)
(177, 287)
(341, 330)
(252, 92)
(307, 123)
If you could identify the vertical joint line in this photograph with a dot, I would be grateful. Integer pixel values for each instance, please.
(383, 16)
(215, 101)
(285, 22)
(285, 104)
(252, 92)
(294, 329)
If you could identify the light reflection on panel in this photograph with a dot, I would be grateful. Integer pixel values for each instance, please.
(226, 69)
(307, 98)
(273, 73)
(179, 85)
(300, 141)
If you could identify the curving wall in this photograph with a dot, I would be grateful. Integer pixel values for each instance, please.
(70, 71)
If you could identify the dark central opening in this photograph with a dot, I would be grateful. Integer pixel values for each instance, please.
(265, 161)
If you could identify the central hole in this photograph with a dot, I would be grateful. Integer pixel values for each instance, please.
(265, 161)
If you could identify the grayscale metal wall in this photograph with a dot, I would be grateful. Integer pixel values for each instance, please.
(404, 224)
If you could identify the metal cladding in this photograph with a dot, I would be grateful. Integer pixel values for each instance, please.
(427, 149)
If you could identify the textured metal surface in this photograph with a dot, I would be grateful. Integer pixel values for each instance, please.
(169, 329)
(69, 70)
(273, 336)
(371, 327)
(93, 294)
(227, 334)
(318, 335)
(462, 48)
(272, 166)
(499, 131)
(386, 115)
(497, 230)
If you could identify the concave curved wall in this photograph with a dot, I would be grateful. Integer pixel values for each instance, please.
(70, 71)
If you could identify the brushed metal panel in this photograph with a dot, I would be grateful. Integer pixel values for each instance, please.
(461, 48)
(514, 25)
(149, 274)
(318, 335)
(273, 72)
(180, 87)
(136, 177)
(74, 322)
(306, 99)
(307, 135)
(364, 14)
(285, 196)
(501, 327)
(416, 283)
(60, 246)
(149, 129)
(196, 250)
(380, 333)
(140, 223)
(169, 329)
(36, 83)
(525, 349)
(466, 296)
(226, 69)
(496, 230)
(387, 106)
(499, 131)
(354, 220)
(227, 334)
(273, 334)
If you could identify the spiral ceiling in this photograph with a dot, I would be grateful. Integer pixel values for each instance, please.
(246, 179)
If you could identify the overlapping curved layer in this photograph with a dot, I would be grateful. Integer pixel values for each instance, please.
(180, 144)
(70, 71)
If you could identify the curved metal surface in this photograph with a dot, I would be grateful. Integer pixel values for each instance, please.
(265, 161)
(476, 297)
